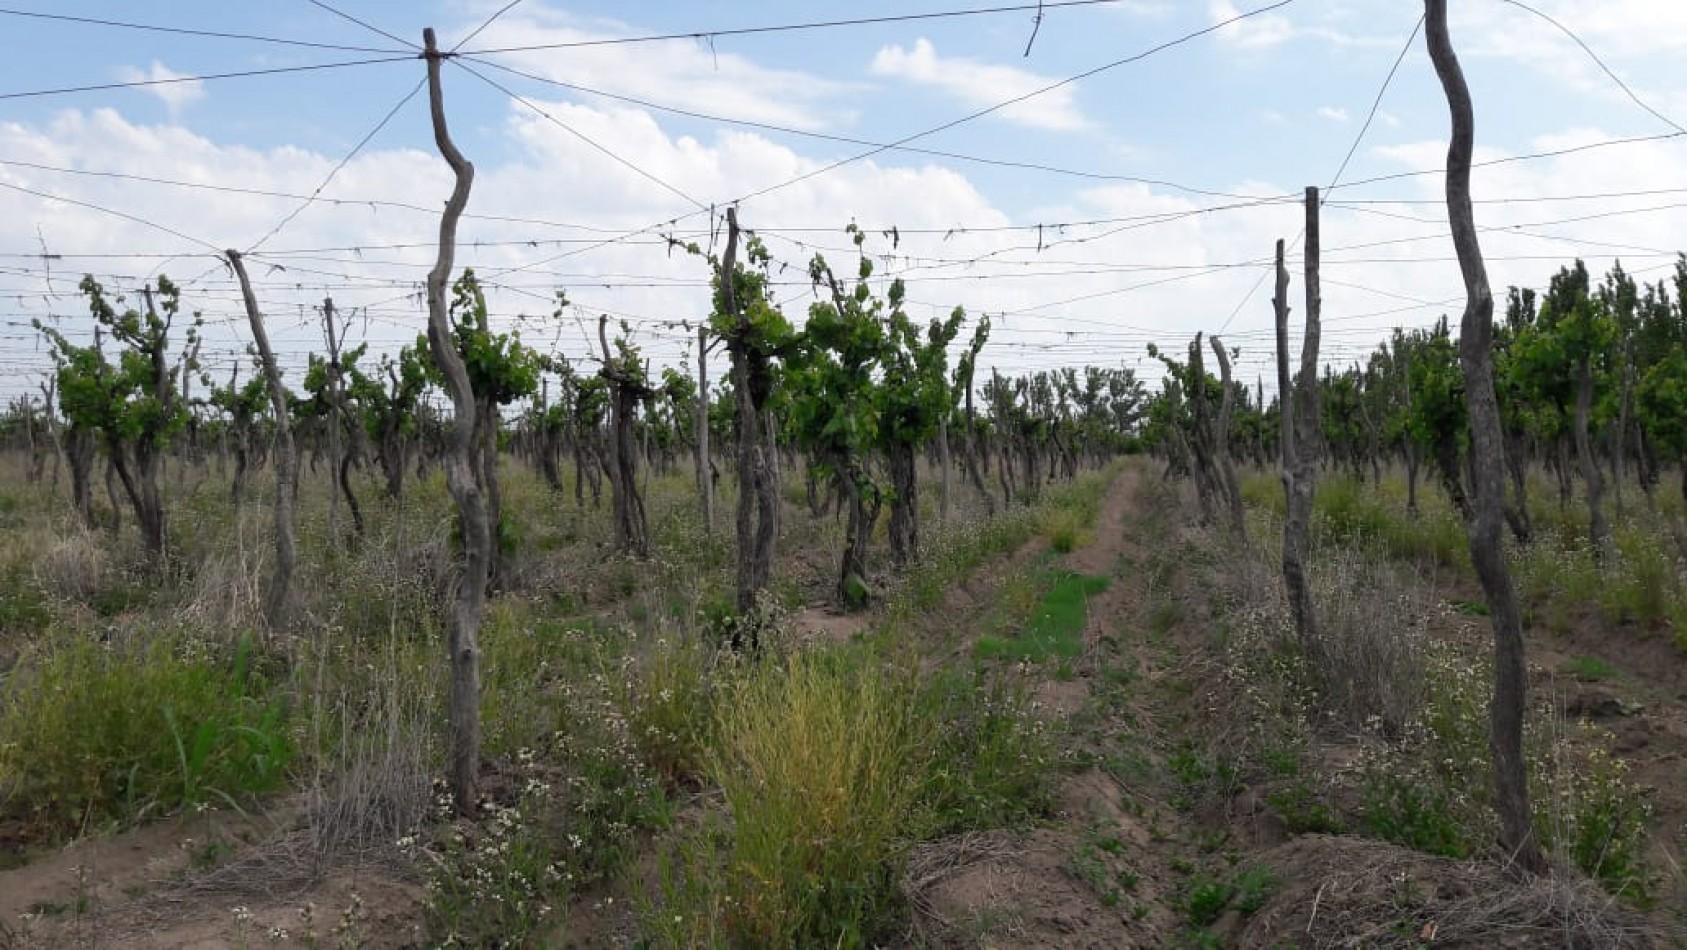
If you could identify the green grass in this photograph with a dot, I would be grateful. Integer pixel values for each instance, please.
(90, 733)
(1055, 627)
(1588, 669)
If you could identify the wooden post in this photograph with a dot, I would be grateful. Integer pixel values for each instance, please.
(1297, 488)
(943, 463)
(1221, 443)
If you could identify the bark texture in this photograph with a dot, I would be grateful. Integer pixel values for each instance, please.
(1476, 337)
(462, 622)
(278, 601)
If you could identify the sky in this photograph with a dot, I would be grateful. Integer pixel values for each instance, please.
(1137, 203)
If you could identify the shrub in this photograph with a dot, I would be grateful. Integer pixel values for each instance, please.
(1368, 661)
(1066, 530)
(1591, 814)
(818, 760)
(498, 881)
(1420, 815)
(22, 608)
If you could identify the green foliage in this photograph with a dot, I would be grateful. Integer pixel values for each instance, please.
(1662, 400)
(1597, 817)
(1437, 414)
(834, 410)
(93, 733)
(501, 370)
(913, 390)
(1247, 891)
(669, 707)
(1346, 511)
(23, 609)
(135, 399)
(1419, 815)
(1589, 669)
(243, 404)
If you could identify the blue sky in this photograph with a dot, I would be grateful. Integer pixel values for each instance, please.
(1259, 109)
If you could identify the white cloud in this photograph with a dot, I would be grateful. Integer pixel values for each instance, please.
(1644, 56)
(1258, 32)
(983, 84)
(685, 74)
(1079, 293)
(1333, 113)
(174, 89)
(1097, 292)
(1151, 9)
(1622, 28)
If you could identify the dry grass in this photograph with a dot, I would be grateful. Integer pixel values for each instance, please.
(226, 589)
(76, 567)
(377, 787)
(930, 863)
(1349, 892)
(1373, 633)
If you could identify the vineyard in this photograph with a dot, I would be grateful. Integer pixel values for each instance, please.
(799, 621)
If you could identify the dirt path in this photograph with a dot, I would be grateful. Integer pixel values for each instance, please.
(1100, 874)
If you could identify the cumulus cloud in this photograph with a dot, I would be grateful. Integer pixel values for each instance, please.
(1333, 113)
(174, 89)
(982, 84)
(685, 74)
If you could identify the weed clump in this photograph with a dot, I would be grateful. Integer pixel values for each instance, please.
(92, 733)
(817, 759)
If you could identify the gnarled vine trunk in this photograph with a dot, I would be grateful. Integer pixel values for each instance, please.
(904, 504)
(279, 600)
(1476, 337)
(1599, 530)
(462, 622)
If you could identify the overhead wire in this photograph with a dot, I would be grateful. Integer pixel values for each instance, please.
(1376, 107)
(338, 167)
(789, 27)
(1635, 98)
(851, 140)
(1137, 57)
(207, 77)
(1015, 100)
(367, 26)
(190, 31)
(596, 145)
